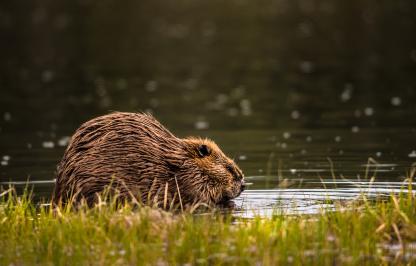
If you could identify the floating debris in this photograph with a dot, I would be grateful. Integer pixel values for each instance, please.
(337, 139)
(308, 138)
(242, 157)
(48, 144)
(6, 158)
(412, 154)
(378, 154)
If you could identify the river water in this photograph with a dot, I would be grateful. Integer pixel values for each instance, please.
(311, 98)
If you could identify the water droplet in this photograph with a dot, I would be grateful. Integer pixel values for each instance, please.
(245, 107)
(355, 129)
(242, 157)
(122, 252)
(368, 111)
(286, 135)
(47, 76)
(121, 84)
(295, 114)
(7, 116)
(283, 145)
(154, 103)
(201, 125)
(191, 83)
(306, 67)
(378, 154)
(48, 144)
(308, 138)
(396, 101)
(232, 111)
(413, 55)
(412, 154)
(222, 99)
(151, 86)
(277, 144)
(4, 163)
(62, 142)
(338, 138)
(149, 111)
(6, 157)
(346, 93)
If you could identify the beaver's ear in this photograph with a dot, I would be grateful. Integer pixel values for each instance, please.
(203, 150)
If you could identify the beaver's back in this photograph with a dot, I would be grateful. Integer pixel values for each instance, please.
(127, 150)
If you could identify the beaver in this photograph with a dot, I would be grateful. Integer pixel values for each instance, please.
(134, 155)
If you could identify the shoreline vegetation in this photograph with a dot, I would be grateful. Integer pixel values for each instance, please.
(363, 232)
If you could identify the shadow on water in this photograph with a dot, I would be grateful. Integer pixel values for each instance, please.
(281, 86)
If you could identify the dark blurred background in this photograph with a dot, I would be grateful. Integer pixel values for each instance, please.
(294, 80)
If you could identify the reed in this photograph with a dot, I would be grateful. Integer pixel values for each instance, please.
(110, 233)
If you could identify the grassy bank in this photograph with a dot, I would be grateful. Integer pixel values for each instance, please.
(364, 233)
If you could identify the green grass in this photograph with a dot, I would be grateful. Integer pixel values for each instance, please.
(105, 235)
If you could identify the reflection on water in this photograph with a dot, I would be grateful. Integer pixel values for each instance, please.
(312, 200)
(291, 89)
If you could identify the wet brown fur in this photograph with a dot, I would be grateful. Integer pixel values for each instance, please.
(137, 157)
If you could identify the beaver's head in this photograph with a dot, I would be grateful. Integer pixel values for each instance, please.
(207, 174)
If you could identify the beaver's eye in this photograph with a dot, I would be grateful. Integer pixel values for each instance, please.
(203, 150)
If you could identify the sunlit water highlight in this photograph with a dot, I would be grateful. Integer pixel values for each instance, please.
(311, 196)
(299, 196)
